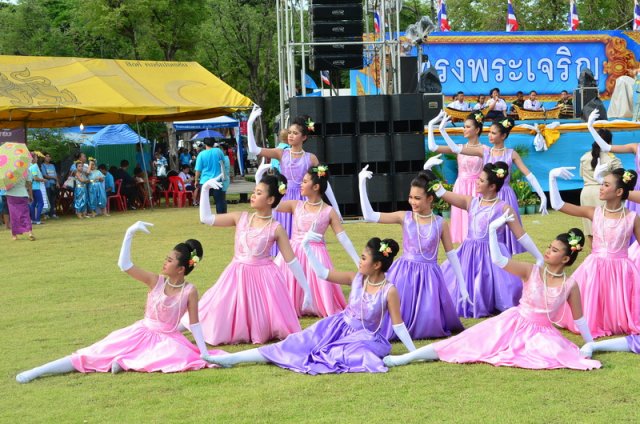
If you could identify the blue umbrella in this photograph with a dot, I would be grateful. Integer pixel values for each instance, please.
(207, 133)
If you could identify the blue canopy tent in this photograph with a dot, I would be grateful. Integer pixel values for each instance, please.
(206, 133)
(213, 123)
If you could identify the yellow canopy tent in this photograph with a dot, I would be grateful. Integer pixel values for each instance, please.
(48, 92)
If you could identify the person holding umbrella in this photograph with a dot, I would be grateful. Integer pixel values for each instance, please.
(16, 180)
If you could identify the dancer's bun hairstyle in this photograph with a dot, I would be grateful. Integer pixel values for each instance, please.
(384, 256)
(186, 254)
(496, 173)
(424, 180)
(504, 125)
(573, 241)
(626, 180)
(274, 183)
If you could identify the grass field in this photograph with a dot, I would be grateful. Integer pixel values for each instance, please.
(64, 291)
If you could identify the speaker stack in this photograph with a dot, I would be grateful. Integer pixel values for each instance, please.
(382, 131)
(336, 21)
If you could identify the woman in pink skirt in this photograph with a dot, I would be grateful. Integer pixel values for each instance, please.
(249, 303)
(153, 343)
(469, 169)
(523, 336)
(609, 281)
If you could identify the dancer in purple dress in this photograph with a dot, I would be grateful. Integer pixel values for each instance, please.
(469, 168)
(523, 336)
(249, 302)
(154, 343)
(490, 288)
(350, 341)
(425, 303)
(498, 134)
(294, 163)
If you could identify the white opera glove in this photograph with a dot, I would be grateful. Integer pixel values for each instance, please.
(599, 170)
(583, 326)
(432, 161)
(494, 246)
(345, 241)
(457, 270)
(404, 336)
(368, 213)
(531, 247)
(538, 189)
(196, 330)
(443, 132)
(251, 138)
(431, 141)
(262, 169)
(320, 270)
(332, 199)
(440, 191)
(554, 193)
(124, 260)
(206, 217)
(298, 273)
(604, 146)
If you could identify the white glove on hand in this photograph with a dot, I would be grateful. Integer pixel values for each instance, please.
(501, 220)
(432, 161)
(251, 138)
(319, 269)
(431, 141)
(124, 260)
(452, 256)
(593, 117)
(367, 210)
(599, 171)
(538, 189)
(345, 241)
(563, 172)
(206, 217)
(262, 169)
(494, 246)
(604, 146)
(531, 247)
(443, 132)
(298, 273)
(583, 326)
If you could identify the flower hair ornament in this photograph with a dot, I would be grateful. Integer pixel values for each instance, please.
(505, 123)
(91, 159)
(282, 188)
(321, 170)
(38, 154)
(435, 186)
(500, 173)
(384, 249)
(194, 259)
(574, 242)
(479, 117)
(311, 126)
(627, 177)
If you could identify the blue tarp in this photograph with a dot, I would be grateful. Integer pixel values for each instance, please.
(116, 134)
(203, 124)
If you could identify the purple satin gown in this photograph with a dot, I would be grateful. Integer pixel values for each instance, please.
(425, 303)
(490, 288)
(350, 341)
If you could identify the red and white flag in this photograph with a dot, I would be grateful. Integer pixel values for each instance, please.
(572, 19)
(636, 16)
(324, 76)
(443, 20)
(512, 22)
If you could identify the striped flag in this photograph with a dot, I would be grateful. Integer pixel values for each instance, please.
(512, 22)
(443, 21)
(376, 22)
(572, 18)
(324, 76)
(636, 16)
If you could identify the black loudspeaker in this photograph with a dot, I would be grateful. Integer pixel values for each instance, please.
(373, 108)
(402, 183)
(380, 188)
(333, 12)
(344, 188)
(374, 148)
(582, 96)
(310, 106)
(339, 109)
(337, 62)
(431, 106)
(340, 149)
(406, 147)
(594, 104)
(315, 145)
(408, 74)
(406, 107)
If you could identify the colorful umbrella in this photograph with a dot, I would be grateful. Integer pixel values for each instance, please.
(14, 164)
(207, 133)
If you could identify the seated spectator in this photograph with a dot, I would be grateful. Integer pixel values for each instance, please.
(109, 182)
(567, 105)
(519, 101)
(497, 106)
(459, 103)
(186, 177)
(532, 103)
(482, 103)
(128, 188)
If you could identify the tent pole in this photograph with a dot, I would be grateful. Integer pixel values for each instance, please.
(144, 165)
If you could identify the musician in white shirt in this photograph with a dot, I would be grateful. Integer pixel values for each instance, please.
(497, 105)
(532, 103)
(459, 103)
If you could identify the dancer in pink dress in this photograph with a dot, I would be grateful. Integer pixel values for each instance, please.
(609, 281)
(294, 163)
(349, 341)
(249, 302)
(154, 343)
(315, 214)
(498, 134)
(523, 336)
(469, 168)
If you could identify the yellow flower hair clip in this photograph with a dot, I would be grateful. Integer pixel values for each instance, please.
(435, 186)
(500, 173)
(505, 123)
(91, 159)
(194, 260)
(282, 188)
(479, 117)
(384, 249)
(311, 126)
(627, 177)
(321, 170)
(574, 242)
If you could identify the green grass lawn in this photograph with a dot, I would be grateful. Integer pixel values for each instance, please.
(65, 291)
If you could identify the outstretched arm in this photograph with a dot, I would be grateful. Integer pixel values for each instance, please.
(452, 256)
(393, 305)
(295, 267)
(516, 268)
(368, 213)
(322, 272)
(206, 217)
(251, 138)
(343, 238)
(456, 148)
(124, 260)
(461, 201)
(556, 200)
